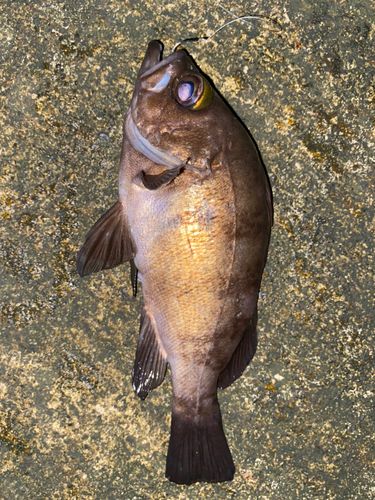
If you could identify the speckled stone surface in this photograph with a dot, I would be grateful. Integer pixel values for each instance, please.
(300, 421)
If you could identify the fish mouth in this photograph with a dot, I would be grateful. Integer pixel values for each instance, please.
(143, 146)
(153, 59)
(152, 62)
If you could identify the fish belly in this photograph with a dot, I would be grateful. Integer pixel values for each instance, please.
(185, 240)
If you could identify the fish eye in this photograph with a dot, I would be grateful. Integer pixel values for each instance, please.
(185, 91)
(193, 91)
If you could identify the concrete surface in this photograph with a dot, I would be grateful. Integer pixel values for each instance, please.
(300, 422)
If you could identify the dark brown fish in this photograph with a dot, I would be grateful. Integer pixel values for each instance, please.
(194, 216)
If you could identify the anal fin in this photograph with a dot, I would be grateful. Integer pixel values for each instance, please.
(107, 244)
(150, 362)
(242, 356)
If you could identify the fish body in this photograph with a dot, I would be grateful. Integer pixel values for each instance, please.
(194, 216)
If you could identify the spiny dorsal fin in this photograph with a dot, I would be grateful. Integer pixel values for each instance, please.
(269, 201)
(242, 356)
(107, 244)
(150, 361)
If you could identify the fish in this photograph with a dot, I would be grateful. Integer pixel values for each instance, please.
(193, 218)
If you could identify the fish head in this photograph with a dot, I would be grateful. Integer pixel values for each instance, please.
(175, 110)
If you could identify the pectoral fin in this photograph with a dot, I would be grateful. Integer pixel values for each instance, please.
(150, 361)
(153, 182)
(107, 244)
(242, 356)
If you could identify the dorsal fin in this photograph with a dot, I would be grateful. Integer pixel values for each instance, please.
(242, 356)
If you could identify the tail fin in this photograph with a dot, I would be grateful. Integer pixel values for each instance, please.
(198, 449)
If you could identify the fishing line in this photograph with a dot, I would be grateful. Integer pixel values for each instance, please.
(237, 18)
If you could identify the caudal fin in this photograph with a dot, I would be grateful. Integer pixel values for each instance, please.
(198, 450)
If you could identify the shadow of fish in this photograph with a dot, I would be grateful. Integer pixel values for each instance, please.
(193, 217)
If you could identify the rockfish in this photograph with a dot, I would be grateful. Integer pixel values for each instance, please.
(193, 217)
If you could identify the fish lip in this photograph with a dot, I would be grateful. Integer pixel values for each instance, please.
(175, 56)
(143, 146)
